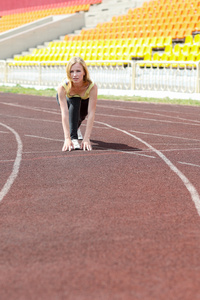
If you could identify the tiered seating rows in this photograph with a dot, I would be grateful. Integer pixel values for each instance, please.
(22, 17)
(134, 36)
(49, 6)
(155, 18)
(117, 49)
(189, 51)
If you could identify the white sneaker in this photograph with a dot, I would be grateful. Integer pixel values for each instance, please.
(76, 144)
(80, 137)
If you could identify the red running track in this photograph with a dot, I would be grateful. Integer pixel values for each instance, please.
(121, 222)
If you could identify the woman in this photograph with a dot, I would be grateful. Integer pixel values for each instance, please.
(77, 98)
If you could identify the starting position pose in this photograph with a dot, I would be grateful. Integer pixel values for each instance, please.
(77, 97)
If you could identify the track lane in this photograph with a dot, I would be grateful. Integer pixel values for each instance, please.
(124, 229)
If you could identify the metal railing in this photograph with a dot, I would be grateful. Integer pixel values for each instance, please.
(177, 76)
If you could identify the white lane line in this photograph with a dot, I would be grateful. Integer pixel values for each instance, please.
(29, 119)
(147, 119)
(189, 164)
(43, 120)
(43, 138)
(165, 135)
(32, 108)
(16, 164)
(191, 189)
(181, 149)
(6, 160)
(136, 153)
(39, 152)
(3, 131)
(106, 115)
(150, 113)
(127, 152)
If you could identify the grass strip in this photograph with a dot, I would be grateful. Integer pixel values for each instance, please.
(51, 92)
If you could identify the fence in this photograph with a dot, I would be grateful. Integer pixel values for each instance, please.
(177, 76)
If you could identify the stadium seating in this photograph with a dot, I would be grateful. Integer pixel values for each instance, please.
(159, 30)
(15, 18)
(116, 49)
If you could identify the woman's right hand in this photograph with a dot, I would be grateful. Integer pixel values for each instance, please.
(67, 145)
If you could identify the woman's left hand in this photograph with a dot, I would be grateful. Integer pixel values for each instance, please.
(86, 145)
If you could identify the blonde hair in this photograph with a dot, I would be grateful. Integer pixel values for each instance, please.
(74, 60)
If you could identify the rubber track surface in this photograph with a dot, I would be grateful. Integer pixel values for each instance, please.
(121, 222)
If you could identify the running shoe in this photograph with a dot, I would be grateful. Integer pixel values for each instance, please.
(80, 137)
(76, 144)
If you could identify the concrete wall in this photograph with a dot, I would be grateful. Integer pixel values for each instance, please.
(31, 35)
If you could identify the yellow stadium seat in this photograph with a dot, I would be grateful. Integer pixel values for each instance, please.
(84, 45)
(191, 57)
(173, 57)
(134, 51)
(197, 39)
(147, 57)
(83, 52)
(142, 51)
(186, 50)
(177, 50)
(160, 42)
(188, 40)
(119, 52)
(106, 53)
(99, 44)
(18, 57)
(93, 55)
(88, 54)
(182, 58)
(156, 57)
(100, 55)
(146, 41)
(153, 42)
(119, 42)
(107, 43)
(113, 52)
(164, 57)
(167, 41)
(139, 41)
(66, 57)
(93, 45)
(195, 49)
(77, 52)
(127, 42)
(126, 53)
(133, 42)
(168, 50)
(197, 58)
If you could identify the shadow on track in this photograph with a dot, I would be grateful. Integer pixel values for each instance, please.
(99, 145)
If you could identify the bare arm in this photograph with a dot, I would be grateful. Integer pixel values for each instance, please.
(90, 120)
(65, 118)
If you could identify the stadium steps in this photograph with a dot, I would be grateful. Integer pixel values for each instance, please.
(107, 9)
